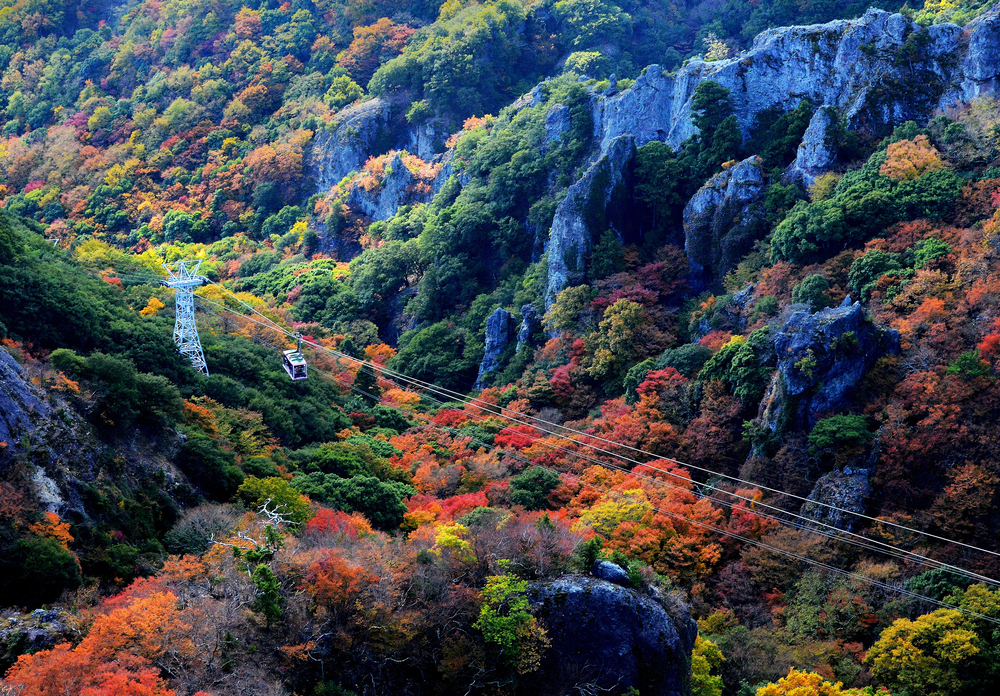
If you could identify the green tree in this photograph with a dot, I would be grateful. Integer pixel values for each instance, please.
(379, 501)
(839, 431)
(268, 600)
(439, 354)
(588, 23)
(209, 467)
(279, 496)
(809, 230)
(745, 365)
(719, 138)
(40, 569)
(507, 624)
(531, 488)
(927, 250)
(868, 269)
(812, 291)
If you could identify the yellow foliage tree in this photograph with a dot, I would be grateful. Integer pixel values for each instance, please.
(801, 684)
(930, 655)
(910, 159)
(151, 308)
(617, 507)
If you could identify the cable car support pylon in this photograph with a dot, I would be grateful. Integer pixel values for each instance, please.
(184, 279)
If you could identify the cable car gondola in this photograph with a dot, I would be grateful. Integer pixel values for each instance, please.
(294, 362)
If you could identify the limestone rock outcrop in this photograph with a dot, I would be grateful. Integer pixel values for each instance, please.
(836, 495)
(357, 133)
(723, 220)
(499, 332)
(530, 323)
(821, 359)
(816, 153)
(612, 637)
(398, 187)
(21, 404)
(583, 214)
(852, 65)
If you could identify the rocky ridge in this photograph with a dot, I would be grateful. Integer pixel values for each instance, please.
(856, 66)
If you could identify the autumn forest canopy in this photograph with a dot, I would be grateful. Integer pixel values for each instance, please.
(703, 405)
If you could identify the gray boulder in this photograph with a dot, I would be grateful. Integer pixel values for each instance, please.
(609, 637)
(583, 214)
(821, 358)
(816, 153)
(836, 495)
(499, 332)
(612, 572)
(723, 220)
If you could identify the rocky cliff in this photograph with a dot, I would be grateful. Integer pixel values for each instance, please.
(821, 359)
(22, 406)
(723, 220)
(43, 430)
(583, 214)
(870, 73)
(398, 187)
(876, 70)
(606, 637)
(357, 133)
(500, 330)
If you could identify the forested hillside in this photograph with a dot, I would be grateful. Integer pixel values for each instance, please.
(652, 348)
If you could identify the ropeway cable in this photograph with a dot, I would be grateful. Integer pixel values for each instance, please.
(807, 524)
(492, 408)
(759, 544)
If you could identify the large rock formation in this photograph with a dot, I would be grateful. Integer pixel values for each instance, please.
(821, 358)
(816, 153)
(856, 66)
(609, 637)
(357, 133)
(398, 187)
(838, 494)
(584, 213)
(874, 72)
(723, 220)
(21, 404)
(499, 332)
(530, 323)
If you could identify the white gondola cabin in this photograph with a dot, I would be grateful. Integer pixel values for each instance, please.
(294, 362)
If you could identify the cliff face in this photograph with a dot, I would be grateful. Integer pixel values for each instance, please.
(723, 220)
(612, 638)
(583, 214)
(21, 405)
(870, 73)
(500, 330)
(876, 70)
(821, 359)
(398, 187)
(360, 132)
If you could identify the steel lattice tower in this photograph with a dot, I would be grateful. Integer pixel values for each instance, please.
(184, 279)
